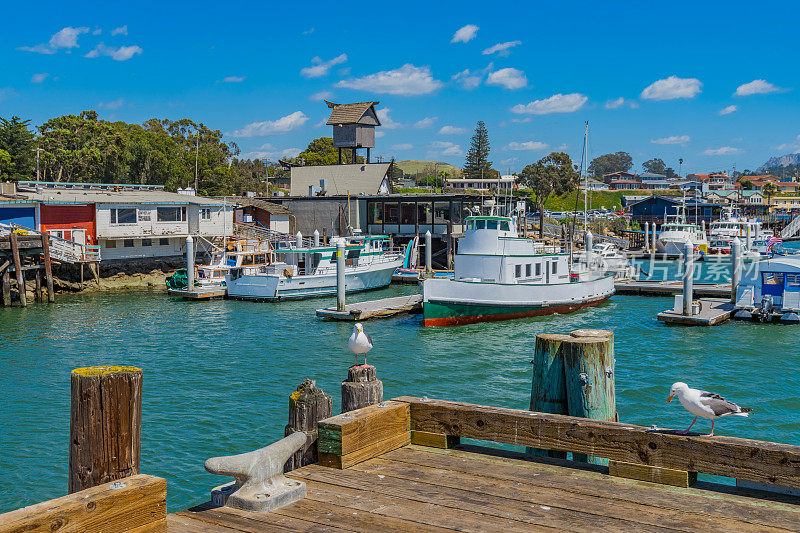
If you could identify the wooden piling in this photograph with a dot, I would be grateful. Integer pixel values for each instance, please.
(6, 282)
(105, 425)
(574, 375)
(23, 297)
(37, 293)
(48, 268)
(307, 406)
(362, 388)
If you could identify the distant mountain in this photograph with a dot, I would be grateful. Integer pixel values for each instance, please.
(413, 167)
(787, 160)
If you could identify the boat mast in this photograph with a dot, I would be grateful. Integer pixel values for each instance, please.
(585, 170)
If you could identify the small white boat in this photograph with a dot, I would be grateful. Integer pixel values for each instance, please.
(730, 226)
(500, 275)
(676, 232)
(307, 272)
(607, 257)
(770, 289)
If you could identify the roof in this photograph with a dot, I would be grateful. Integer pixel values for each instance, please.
(618, 173)
(90, 193)
(270, 207)
(362, 178)
(655, 197)
(352, 113)
(652, 176)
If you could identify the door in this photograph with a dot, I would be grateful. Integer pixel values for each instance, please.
(79, 236)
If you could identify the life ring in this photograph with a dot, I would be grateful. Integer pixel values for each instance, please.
(287, 272)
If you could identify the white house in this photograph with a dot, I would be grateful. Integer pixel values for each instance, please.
(485, 184)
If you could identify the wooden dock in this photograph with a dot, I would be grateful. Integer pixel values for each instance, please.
(200, 293)
(713, 311)
(669, 288)
(384, 308)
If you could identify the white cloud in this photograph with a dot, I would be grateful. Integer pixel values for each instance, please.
(97, 31)
(471, 79)
(675, 139)
(725, 150)
(728, 110)
(451, 130)
(527, 145)
(272, 127)
(793, 146)
(510, 161)
(115, 104)
(501, 49)
(322, 68)
(620, 102)
(122, 30)
(123, 53)
(39, 78)
(426, 122)
(757, 87)
(453, 150)
(267, 151)
(558, 103)
(465, 34)
(65, 38)
(322, 95)
(447, 148)
(379, 134)
(402, 146)
(386, 120)
(672, 88)
(308, 31)
(407, 80)
(521, 120)
(234, 79)
(510, 78)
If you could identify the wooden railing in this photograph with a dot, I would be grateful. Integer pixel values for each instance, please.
(375, 430)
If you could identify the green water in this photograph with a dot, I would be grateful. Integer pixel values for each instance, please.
(217, 374)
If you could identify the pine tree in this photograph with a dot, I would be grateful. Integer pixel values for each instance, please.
(477, 164)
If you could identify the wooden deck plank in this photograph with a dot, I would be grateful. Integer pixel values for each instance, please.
(468, 500)
(767, 513)
(236, 520)
(181, 523)
(563, 503)
(383, 308)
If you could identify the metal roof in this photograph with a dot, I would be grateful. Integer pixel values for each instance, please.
(123, 196)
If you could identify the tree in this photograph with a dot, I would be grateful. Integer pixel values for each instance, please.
(670, 172)
(608, 163)
(655, 166)
(322, 152)
(554, 175)
(20, 144)
(747, 185)
(769, 189)
(5, 164)
(477, 163)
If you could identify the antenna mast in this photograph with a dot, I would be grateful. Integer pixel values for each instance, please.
(585, 170)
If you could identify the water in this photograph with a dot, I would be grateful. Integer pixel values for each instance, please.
(217, 374)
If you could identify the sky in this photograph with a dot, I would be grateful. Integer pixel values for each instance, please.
(714, 83)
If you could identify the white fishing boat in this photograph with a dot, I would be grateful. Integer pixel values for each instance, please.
(305, 272)
(770, 290)
(729, 226)
(500, 275)
(236, 253)
(676, 232)
(607, 257)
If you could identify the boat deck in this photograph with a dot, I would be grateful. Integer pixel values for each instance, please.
(382, 308)
(417, 488)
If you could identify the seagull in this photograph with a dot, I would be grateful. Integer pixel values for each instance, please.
(360, 342)
(705, 404)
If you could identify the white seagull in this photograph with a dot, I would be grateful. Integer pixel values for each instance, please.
(705, 404)
(360, 342)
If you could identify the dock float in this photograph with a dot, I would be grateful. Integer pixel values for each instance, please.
(383, 308)
(713, 311)
(669, 288)
(200, 293)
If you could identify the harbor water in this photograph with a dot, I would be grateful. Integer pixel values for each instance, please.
(217, 374)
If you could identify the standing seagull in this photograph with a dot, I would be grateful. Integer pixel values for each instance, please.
(360, 342)
(706, 404)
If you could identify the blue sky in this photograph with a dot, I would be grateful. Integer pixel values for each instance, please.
(656, 80)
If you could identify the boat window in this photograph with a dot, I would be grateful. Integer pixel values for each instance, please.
(555, 267)
(480, 224)
(353, 254)
(773, 278)
(518, 271)
(538, 269)
(491, 224)
(470, 224)
(504, 226)
(793, 280)
(528, 270)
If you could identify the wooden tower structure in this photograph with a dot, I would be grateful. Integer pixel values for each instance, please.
(353, 126)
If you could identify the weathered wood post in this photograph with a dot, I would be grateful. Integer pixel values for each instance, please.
(361, 388)
(37, 292)
(48, 268)
(574, 375)
(6, 284)
(23, 297)
(105, 425)
(307, 406)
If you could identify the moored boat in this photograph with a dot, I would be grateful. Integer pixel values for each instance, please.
(676, 232)
(770, 289)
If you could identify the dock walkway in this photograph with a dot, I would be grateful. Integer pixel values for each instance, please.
(713, 311)
(669, 288)
(418, 488)
(382, 308)
(200, 293)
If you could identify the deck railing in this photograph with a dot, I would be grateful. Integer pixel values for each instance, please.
(62, 249)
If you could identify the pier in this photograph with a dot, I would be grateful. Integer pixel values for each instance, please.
(712, 311)
(200, 293)
(383, 308)
(21, 252)
(670, 288)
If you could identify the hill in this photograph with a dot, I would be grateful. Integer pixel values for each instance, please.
(787, 160)
(413, 167)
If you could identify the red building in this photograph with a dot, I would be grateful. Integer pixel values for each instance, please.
(72, 222)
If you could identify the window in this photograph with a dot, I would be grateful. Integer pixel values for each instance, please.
(470, 224)
(480, 224)
(144, 215)
(128, 243)
(773, 278)
(504, 226)
(205, 213)
(518, 271)
(125, 215)
(555, 267)
(793, 280)
(538, 269)
(163, 241)
(171, 214)
(528, 270)
(147, 242)
(111, 244)
(491, 224)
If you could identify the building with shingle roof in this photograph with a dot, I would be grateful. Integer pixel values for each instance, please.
(353, 126)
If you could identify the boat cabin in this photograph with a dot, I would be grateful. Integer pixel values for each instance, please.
(771, 285)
